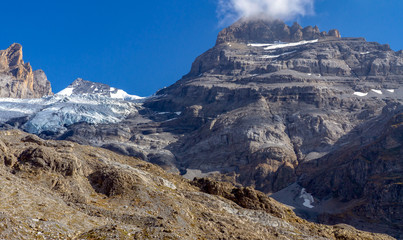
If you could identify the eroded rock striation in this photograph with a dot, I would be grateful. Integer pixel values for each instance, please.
(17, 80)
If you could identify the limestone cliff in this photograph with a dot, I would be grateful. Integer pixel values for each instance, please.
(264, 31)
(17, 80)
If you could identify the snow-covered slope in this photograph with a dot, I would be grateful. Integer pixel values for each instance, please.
(72, 105)
(80, 86)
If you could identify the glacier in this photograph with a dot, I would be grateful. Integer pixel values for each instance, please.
(54, 113)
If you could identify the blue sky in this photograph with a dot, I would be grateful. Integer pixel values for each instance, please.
(142, 46)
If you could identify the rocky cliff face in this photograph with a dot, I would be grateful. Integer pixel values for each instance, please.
(17, 80)
(367, 172)
(263, 31)
(262, 109)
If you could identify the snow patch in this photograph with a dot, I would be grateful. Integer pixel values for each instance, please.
(360, 94)
(259, 44)
(269, 56)
(162, 113)
(308, 198)
(281, 44)
(276, 56)
(376, 91)
(390, 90)
(66, 92)
(120, 94)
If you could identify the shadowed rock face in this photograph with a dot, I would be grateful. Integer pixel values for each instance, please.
(17, 80)
(367, 171)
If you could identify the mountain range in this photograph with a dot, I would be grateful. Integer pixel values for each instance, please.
(310, 118)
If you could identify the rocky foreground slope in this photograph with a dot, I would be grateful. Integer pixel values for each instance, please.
(17, 80)
(62, 190)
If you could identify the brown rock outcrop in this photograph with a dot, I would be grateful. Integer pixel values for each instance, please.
(335, 33)
(17, 80)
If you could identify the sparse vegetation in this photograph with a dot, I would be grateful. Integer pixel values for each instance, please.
(124, 198)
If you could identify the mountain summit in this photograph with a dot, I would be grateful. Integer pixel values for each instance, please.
(269, 31)
(17, 80)
(81, 86)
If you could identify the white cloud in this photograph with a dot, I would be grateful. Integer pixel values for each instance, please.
(230, 10)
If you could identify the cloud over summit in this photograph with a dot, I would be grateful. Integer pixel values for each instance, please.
(230, 10)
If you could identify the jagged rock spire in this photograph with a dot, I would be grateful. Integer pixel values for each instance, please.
(17, 79)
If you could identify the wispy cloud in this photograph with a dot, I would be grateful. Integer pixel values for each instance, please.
(230, 10)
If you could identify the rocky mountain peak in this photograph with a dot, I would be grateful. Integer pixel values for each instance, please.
(13, 55)
(334, 33)
(266, 31)
(81, 86)
(80, 81)
(17, 79)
